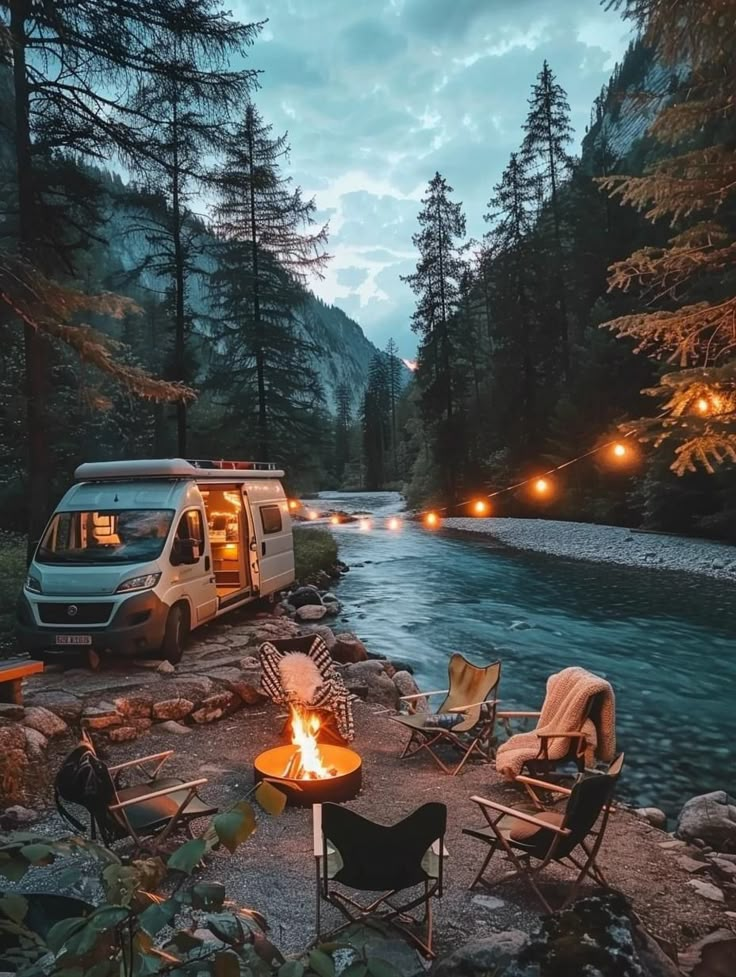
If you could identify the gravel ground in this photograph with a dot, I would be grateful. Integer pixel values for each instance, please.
(274, 870)
(606, 544)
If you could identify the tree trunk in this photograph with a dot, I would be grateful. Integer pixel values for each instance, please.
(179, 288)
(35, 346)
(263, 445)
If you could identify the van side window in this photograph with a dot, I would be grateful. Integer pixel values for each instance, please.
(271, 519)
(191, 527)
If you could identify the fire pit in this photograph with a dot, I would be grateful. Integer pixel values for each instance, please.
(307, 771)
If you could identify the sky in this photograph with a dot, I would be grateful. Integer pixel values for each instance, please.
(377, 95)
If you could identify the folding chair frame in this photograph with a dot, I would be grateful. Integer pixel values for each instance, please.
(425, 738)
(587, 867)
(119, 812)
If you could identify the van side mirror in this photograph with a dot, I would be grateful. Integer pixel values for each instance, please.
(185, 552)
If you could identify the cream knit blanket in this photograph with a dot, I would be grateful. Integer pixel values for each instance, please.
(565, 705)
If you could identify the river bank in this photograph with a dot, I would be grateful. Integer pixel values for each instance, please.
(604, 544)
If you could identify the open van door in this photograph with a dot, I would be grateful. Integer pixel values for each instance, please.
(274, 544)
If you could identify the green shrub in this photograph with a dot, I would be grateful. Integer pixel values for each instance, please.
(314, 550)
(12, 574)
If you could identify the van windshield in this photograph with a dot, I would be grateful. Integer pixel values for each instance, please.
(115, 536)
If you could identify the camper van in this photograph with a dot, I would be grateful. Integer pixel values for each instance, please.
(139, 553)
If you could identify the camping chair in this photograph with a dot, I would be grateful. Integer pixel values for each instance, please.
(465, 719)
(328, 697)
(151, 810)
(355, 853)
(554, 748)
(572, 836)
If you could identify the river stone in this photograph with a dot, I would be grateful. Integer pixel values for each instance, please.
(101, 716)
(305, 596)
(36, 744)
(713, 956)
(194, 687)
(215, 706)
(656, 817)
(311, 612)
(13, 763)
(137, 705)
(706, 889)
(323, 630)
(171, 726)
(122, 734)
(406, 685)
(349, 648)
(11, 712)
(172, 709)
(481, 958)
(17, 816)
(45, 722)
(63, 704)
(711, 818)
(381, 688)
(332, 610)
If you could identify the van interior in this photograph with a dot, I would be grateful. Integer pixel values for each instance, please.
(228, 529)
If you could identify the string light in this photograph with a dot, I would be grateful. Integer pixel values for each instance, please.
(541, 486)
(313, 515)
(335, 520)
(293, 504)
(619, 450)
(364, 525)
(393, 523)
(432, 520)
(702, 405)
(480, 507)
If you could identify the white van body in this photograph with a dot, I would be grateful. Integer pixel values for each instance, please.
(138, 553)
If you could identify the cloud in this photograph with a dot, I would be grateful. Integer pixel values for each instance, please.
(378, 94)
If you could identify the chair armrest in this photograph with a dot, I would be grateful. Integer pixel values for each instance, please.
(421, 695)
(533, 782)
(522, 815)
(144, 759)
(472, 705)
(190, 785)
(566, 733)
(518, 715)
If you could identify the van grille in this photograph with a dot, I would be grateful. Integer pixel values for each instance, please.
(84, 613)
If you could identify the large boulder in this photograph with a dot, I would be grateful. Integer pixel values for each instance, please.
(348, 648)
(304, 596)
(483, 957)
(710, 818)
(406, 684)
(371, 676)
(311, 612)
(63, 704)
(323, 630)
(713, 956)
(45, 722)
(13, 763)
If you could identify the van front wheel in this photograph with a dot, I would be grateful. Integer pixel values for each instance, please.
(175, 634)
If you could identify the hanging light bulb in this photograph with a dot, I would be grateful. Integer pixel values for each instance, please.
(432, 520)
(293, 504)
(481, 507)
(541, 486)
(619, 450)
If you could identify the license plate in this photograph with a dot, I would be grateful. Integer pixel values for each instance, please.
(74, 639)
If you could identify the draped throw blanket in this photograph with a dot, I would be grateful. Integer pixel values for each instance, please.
(567, 706)
(300, 672)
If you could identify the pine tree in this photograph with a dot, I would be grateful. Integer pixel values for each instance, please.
(375, 418)
(270, 245)
(547, 134)
(393, 374)
(687, 285)
(343, 424)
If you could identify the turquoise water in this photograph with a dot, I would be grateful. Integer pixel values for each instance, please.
(664, 640)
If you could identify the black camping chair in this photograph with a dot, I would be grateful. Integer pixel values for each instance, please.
(572, 836)
(152, 809)
(359, 854)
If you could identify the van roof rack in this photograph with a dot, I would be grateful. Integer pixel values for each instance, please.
(98, 471)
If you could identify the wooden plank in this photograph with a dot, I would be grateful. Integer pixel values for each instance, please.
(13, 670)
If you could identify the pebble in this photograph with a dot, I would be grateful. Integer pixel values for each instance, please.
(488, 902)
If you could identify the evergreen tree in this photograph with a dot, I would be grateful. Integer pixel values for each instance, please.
(375, 418)
(343, 424)
(270, 244)
(688, 285)
(547, 134)
(393, 375)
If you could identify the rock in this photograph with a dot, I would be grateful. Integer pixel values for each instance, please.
(13, 763)
(485, 957)
(166, 668)
(706, 889)
(488, 902)
(304, 597)
(136, 705)
(250, 662)
(101, 716)
(713, 956)
(249, 694)
(724, 867)
(141, 723)
(655, 817)
(349, 648)
(44, 721)
(11, 711)
(63, 704)
(172, 708)
(215, 706)
(36, 743)
(284, 609)
(691, 865)
(193, 687)
(311, 612)
(672, 844)
(711, 818)
(17, 816)
(170, 726)
(323, 630)
(406, 685)
(329, 598)
(332, 610)
(122, 734)
(381, 688)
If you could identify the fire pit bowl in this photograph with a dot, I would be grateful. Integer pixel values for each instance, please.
(303, 792)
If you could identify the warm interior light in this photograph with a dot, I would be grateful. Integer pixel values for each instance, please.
(480, 508)
(432, 519)
(393, 523)
(619, 450)
(702, 405)
(313, 514)
(293, 504)
(541, 486)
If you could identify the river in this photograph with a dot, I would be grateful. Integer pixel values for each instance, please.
(664, 640)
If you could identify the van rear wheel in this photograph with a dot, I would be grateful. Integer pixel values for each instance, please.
(175, 634)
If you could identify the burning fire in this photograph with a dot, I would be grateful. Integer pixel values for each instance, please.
(306, 762)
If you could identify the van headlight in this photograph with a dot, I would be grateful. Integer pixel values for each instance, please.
(33, 584)
(144, 582)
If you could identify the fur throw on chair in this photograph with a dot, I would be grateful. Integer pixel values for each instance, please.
(301, 672)
(566, 707)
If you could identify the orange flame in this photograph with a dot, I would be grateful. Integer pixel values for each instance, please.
(304, 731)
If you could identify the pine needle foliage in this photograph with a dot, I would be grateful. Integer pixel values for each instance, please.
(688, 287)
